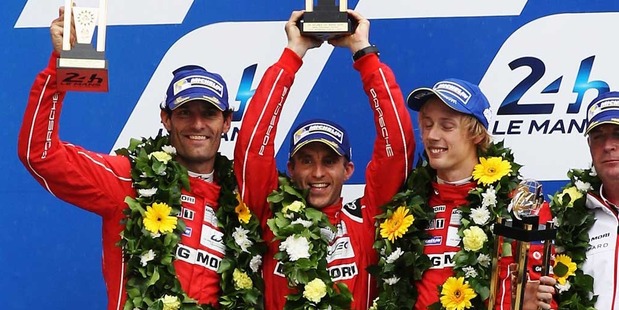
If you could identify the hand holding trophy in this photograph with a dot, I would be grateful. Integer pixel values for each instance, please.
(82, 68)
(326, 20)
(523, 228)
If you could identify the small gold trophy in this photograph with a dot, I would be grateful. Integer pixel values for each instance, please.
(82, 68)
(523, 228)
(326, 19)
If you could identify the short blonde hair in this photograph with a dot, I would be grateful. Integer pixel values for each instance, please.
(474, 128)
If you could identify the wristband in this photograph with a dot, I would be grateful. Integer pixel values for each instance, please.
(372, 49)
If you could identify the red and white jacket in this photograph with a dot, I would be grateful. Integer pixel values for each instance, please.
(603, 252)
(99, 183)
(351, 247)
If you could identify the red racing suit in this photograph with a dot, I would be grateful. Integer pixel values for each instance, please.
(99, 183)
(350, 250)
(444, 241)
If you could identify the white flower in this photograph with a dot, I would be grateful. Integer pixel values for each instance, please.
(593, 173)
(483, 260)
(303, 222)
(170, 302)
(157, 235)
(296, 247)
(147, 192)
(583, 186)
(564, 287)
(480, 215)
(255, 263)
(556, 221)
(169, 149)
(240, 238)
(469, 272)
(393, 280)
(147, 257)
(489, 197)
(374, 304)
(394, 255)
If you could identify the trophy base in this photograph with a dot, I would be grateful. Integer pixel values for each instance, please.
(82, 69)
(510, 230)
(325, 25)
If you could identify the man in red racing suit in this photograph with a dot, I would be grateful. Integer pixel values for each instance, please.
(445, 200)
(350, 250)
(99, 183)
(453, 117)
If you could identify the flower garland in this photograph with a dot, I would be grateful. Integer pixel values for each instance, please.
(400, 241)
(303, 232)
(574, 220)
(152, 232)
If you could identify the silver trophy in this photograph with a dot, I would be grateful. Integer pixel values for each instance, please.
(523, 227)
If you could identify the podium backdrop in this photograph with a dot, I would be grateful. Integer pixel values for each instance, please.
(539, 62)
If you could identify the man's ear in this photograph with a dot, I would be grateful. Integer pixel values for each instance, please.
(227, 121)
(165, 119)
(349, 168)
(477, 139)
(290, 166)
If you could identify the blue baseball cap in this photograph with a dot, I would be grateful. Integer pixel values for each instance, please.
(319, 130)
(603, 110)
(195, 83)
(459, 95)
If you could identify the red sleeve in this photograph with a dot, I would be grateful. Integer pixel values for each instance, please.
(92, 181)
(254, 153)
(394, 144)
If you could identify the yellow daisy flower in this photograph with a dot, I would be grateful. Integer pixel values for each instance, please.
(242, 211)
(491, 169)
(456, 294)
(563, 268)
(157, 218)
(397, 225)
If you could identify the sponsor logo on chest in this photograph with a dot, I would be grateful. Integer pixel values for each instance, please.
(340, 249)
(599, 243)
(443, 260)
(343, 272)
(188, 199)
(197, 257)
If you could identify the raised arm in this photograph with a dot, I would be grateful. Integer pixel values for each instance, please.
(394, 145)
(254, 153)
(89, 180)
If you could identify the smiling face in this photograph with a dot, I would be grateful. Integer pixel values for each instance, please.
(195, 131)
(451, 149)
(318, 168)
(604, 148)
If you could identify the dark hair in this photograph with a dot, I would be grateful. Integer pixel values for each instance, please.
(168, 111)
